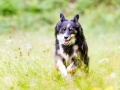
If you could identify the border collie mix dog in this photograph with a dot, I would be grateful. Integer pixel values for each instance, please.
(71, 47)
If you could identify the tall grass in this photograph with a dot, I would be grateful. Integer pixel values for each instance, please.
(27, 63)
(27, 48)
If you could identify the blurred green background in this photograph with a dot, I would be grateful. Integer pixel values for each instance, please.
(36, 15)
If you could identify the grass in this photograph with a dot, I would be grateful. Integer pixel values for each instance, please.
(27, 63)
(27, 54)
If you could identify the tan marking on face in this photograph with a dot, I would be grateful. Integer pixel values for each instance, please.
(72, 35)
(61, 35)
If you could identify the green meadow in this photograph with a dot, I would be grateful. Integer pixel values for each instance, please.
(27, 44)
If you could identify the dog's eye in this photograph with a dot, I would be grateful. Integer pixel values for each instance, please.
(70, 29)
(64, 29)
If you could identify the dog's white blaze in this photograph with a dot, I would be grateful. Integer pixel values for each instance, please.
(65, 34)
(68, 25)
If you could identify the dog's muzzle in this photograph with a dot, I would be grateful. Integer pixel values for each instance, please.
(68, 40)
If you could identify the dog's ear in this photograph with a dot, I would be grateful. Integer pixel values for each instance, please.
(76, 18)
(62, 17)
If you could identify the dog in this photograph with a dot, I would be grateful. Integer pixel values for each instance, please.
(71, 50)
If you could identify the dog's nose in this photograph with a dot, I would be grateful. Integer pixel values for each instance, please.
(65, 37)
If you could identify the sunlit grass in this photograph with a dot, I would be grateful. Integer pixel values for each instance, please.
(27, 63)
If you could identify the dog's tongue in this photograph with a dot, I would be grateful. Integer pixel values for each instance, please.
(66, 41)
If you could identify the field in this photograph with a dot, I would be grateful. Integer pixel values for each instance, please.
(27, 52)
(27, 62)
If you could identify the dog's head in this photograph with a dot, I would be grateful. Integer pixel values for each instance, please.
(66, 30)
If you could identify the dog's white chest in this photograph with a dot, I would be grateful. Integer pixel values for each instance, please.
(64, 55)
(67, 57)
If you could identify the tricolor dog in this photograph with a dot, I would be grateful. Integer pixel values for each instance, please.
(71, 50)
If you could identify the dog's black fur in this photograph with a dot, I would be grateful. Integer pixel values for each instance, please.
(79, 42)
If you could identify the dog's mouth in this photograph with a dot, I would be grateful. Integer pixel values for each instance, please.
(70, 40)
(66, 42)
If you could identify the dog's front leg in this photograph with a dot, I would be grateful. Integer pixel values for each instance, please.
(61, 67)
(71, 68)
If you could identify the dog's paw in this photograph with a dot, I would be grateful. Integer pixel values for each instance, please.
(68, 77)
(69, 70)
(64, 73)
